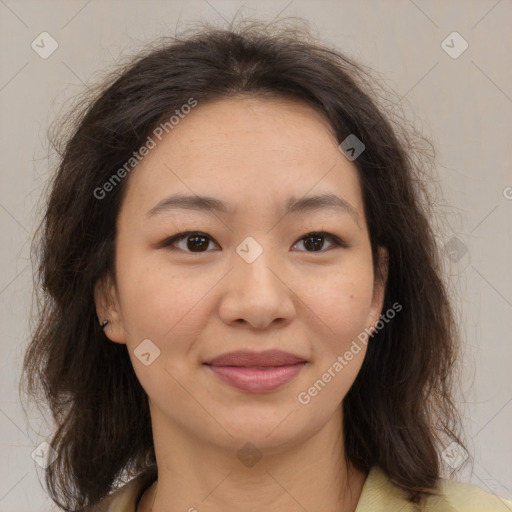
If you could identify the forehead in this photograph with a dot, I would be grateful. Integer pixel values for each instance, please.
(245, 125)
(242, 150)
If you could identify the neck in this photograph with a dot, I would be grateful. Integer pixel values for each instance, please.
(196, 476)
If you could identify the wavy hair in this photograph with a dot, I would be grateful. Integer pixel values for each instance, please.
(399, 410)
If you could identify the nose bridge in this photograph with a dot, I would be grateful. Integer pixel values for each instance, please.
(255, 259)
(256, 293)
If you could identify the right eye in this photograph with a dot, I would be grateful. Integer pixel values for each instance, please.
(194, 241)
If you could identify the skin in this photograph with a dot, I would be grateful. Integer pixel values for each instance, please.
(255, 154)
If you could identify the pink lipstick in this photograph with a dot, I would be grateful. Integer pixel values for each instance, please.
(257, 372)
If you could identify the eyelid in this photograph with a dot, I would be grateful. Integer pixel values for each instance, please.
(183, 234)
(336, 240)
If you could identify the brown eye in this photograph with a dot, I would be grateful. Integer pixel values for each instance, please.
(197, 242)
(191, 241)
(314, 242)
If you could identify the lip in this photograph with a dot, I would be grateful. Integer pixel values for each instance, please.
(247, 358)
(257, 380)
(257, 372)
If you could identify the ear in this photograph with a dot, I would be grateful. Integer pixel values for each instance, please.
(379, 286)
(107, 308)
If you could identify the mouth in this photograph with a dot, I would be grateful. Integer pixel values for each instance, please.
(257, 379)
(254, 372)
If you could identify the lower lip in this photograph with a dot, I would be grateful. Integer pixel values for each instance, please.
(257, 380)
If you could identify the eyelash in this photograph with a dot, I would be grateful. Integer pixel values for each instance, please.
(183, 235)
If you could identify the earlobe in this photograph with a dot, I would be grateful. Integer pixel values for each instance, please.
(107, 309)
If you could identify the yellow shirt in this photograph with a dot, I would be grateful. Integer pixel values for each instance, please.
(378, 495)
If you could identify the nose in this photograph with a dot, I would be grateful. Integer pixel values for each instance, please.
(256, 293)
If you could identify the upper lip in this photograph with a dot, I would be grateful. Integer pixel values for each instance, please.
(246, 358)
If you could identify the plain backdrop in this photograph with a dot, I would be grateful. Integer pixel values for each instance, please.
(462, 102)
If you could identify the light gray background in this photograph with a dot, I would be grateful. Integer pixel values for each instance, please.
(463, 104)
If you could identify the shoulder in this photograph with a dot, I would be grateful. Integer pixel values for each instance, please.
(379, 494)
(123, 499)
(465, 497)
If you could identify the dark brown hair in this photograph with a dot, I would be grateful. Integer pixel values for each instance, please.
(398, 411)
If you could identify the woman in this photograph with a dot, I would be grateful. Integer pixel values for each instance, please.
(243, 303)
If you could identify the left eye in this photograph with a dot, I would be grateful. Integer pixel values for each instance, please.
(195, 241)
(314, 241)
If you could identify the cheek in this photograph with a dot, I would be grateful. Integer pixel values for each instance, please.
(341, 302)
(159, 302)
(171, 310)
(350, 310)
(342, 306)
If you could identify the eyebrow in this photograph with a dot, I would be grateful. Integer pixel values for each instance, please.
(293, 205)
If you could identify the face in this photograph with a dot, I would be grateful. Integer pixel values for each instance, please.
(254, 278)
